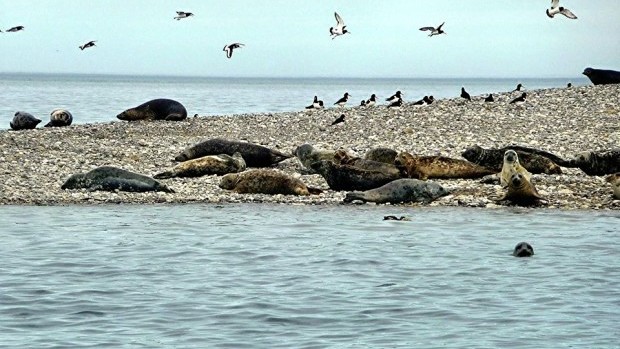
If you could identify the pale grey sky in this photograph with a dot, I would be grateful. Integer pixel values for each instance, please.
(510, 38)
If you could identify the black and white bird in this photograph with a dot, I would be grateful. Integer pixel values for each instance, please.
(371, 101)
(556, 8)
(339, 29)
(338, 120)
(396, 104)
(421, 102)
(181, 14)
(316, 104)
(430, 100)
(88, 44)
(464, 94)
(363, 103)
(489, 98)
(393, 98)
(518, 88)
(433, 30)
(569, 85)
(342, 101)
(230, 47)
(519, 100)
(15, 29)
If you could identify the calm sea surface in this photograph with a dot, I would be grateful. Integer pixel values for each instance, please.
(281, 276)
(99, 98)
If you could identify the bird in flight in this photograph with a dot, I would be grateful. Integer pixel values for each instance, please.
(339, 29)
(229, 48)
(433, 30)
(556, 8)
(88, 44)
(180, 15)
(15, 29)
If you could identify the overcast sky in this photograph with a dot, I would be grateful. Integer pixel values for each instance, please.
(510, 38)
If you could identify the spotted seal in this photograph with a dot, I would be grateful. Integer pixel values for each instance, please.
(60, 118)
(254, 155)
(400, 190)
(23, 121)
(345, 177)
(510, 167)
(265, 181)
(206, 165)
(425, 167)
(523, 249)
(602, 76)
(109, 178)
(599, 163)
(342, 157)
(156, 109)
(534, 160)
(521, 191)
(308, 154)
(614, 179)
(381, 154)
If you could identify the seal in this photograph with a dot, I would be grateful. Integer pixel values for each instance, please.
(523, 249)
(521, 191)
(598, 163)
(510, 167)
(307, 155)
(602, 76)
(23, 121)
(534, 160)
(206, 165)
(614, 179)
(425, 167)
(109, 178)
(400, 190)
(156, 109)
(265, 181)
(394, 218)
(345, 177)
(380, 154)
(60, 118)
(343, 158)
(254, 155)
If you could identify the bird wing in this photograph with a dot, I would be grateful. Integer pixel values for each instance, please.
(438, 28)
(555, 3)
(427, 28)
(566, 12)
(180, 13)
(339, 19)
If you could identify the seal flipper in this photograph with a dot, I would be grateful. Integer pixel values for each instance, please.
(355, 195)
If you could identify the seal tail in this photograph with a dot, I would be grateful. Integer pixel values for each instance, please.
(163, 175)
(314, 191)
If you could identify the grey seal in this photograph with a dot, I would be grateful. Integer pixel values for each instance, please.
(534, 160)
(523, 249)
(346, 177)
(599, 163)
(206, 165)
(254, 155)
(602, 76)
(24, 121)
(109, 178)
(308, 154)
(60, 118)
(156, 109)
(400, 190)
(265, 181)
(381, 154)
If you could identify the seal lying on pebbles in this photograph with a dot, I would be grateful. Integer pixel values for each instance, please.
(424, 167)
(510, 167)
(599, 163)
(380, 154)
(206, 165)
(345, 177)
(110, 178)
(614, 179)
(156, 109)
(521, 191)
(265, 181)
(400, 190)
(307, 155)
(254, 155)
(341, 157)
(60, 118)
(602, 76)
(523, 249)
(24, 121)
(535, 161)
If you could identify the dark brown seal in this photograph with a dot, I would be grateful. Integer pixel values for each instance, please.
(156, 109)
(599, 163)
(254, 155)
(265, 181)
(424, 167)
(521, 191)
(535, 161)
(345, 177)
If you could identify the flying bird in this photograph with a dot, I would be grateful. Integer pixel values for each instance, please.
(342, 101)
(490, 98)
(556, 8)
(433, 30)
(15, 29)
(393, 98)
(464, 94)
(338, 120)
(339, 29)
(88, 44)
(180, 15)
(229, 48)
(519, 100)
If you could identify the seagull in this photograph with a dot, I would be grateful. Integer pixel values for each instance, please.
(15, 29)
(338, 120)
(464, 94)
(434, 31)
(556, 8)
(88, 44)
(181, 15)
(398, 95)
(339, 29)
(519, 87)
(371, 101)
(342, 101)
(229, 48)
(316, 104)
(490, 98)
(519, 100)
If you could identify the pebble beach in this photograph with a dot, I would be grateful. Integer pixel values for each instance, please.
(35, 163)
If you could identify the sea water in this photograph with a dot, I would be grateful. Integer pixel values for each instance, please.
(283, 276)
